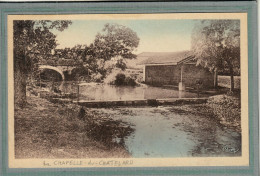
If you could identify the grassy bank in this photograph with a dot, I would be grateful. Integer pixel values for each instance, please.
(225, 109)
(47, 130)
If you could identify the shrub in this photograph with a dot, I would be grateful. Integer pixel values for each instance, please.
(110, 79)
(226, 108)
(78, 72)
(96, 77)
(130, 81)
(120, 79)
(116, 77)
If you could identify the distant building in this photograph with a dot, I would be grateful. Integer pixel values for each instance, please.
(175, 68)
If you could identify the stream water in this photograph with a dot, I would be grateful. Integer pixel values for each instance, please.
(103, 92)
(159, 132)
(156, 137)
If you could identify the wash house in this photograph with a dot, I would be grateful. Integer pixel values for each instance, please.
(178, 69)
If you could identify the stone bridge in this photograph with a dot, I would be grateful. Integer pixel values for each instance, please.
(58, 68)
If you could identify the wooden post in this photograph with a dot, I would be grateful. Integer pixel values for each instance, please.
(181, 72)
(78, 93)
(40, 81)
(144, 74)
(215, 78)
(181, 84)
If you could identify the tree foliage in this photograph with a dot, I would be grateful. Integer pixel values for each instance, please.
(115, 40)
(216, 45)
(116, 43)
(33, 42)
(69, 56)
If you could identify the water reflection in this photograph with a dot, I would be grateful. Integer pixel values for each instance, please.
(104, 92)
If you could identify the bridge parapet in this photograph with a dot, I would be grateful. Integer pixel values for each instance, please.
(59, 68)
(43, 67)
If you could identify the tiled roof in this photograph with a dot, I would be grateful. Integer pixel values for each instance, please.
(164, 57)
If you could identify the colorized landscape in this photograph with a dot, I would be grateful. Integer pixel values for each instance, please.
(125, 92)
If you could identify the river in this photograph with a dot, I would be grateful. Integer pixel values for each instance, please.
(105, 92)
(161, 132)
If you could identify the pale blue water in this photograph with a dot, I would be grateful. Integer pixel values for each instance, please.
(157, 138)
(155, 135)
(160, 132)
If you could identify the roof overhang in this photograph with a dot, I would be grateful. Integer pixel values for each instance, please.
(187, 61)
(159, 64)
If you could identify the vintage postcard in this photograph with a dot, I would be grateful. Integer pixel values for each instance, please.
(128, 90)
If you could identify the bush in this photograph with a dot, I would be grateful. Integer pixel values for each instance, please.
(226, 108)
(130, 81)
(96, 77)
(116, 77)
(77, 73)
(120, 79)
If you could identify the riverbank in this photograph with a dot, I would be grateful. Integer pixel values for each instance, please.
(47, 130)
(224, 116)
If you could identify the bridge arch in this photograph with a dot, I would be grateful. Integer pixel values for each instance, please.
(43, 67)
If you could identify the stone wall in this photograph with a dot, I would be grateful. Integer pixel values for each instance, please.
(192, 74)
(171, 75)
(162, 75)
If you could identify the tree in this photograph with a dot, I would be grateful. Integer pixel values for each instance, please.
(115, 41)
(216, 45)
(74, 55)
(33, 41)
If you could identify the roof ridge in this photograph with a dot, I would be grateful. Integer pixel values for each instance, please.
(164, 52)
(167, 57)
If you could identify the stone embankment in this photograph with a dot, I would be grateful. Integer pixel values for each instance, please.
(149, 102)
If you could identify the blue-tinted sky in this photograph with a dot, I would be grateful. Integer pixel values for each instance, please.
(155, 35)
